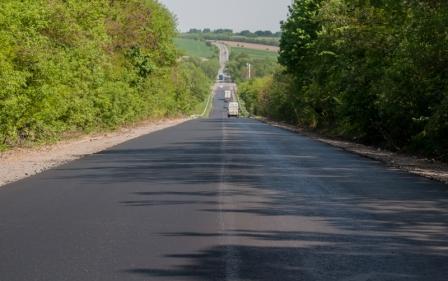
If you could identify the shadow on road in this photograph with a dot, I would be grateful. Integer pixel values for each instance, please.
(382, 224)
(309, 263)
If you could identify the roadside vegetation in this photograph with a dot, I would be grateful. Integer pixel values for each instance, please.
(76, 66)
(372, 71)
(201, 53)
(262, 63)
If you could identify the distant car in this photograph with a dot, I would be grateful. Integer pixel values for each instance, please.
(227, 95)
(221, 77)
(233, 109)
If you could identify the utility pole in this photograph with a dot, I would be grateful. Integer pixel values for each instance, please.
(249, 68)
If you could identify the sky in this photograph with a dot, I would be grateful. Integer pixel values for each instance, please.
(235, 14)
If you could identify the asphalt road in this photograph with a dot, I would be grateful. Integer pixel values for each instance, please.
(223, 199)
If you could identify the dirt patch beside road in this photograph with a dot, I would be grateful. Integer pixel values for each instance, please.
(20, 163)
(423, 167)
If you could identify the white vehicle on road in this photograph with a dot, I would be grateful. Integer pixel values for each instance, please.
(233, 109)
(228, 95)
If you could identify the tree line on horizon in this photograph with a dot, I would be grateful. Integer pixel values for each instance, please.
(246, 33)
(374, 71)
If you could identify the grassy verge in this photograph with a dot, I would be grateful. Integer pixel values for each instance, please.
(271, 41)
(203, 109)
(243, 110)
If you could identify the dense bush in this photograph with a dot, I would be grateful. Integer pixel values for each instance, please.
(208, 66)
(71, 65)
(270, 96)
(375, 71)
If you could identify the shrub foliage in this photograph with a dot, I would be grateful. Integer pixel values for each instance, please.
(69, 65)
(372, 70)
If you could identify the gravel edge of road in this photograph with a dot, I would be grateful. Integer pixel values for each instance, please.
(20, 163)
(430, 169)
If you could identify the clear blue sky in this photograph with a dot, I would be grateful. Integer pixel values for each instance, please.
(235, 14)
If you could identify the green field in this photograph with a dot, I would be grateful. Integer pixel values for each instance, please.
(255, 54)
(272, 41)
(195, 48)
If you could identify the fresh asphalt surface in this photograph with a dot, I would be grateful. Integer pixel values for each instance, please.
(223, 199)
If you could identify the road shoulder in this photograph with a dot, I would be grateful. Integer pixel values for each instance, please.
(20, 163)
(427, 168)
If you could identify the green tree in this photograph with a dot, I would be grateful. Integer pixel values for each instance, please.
(87, 65)
(299, 34)
(370, 70)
